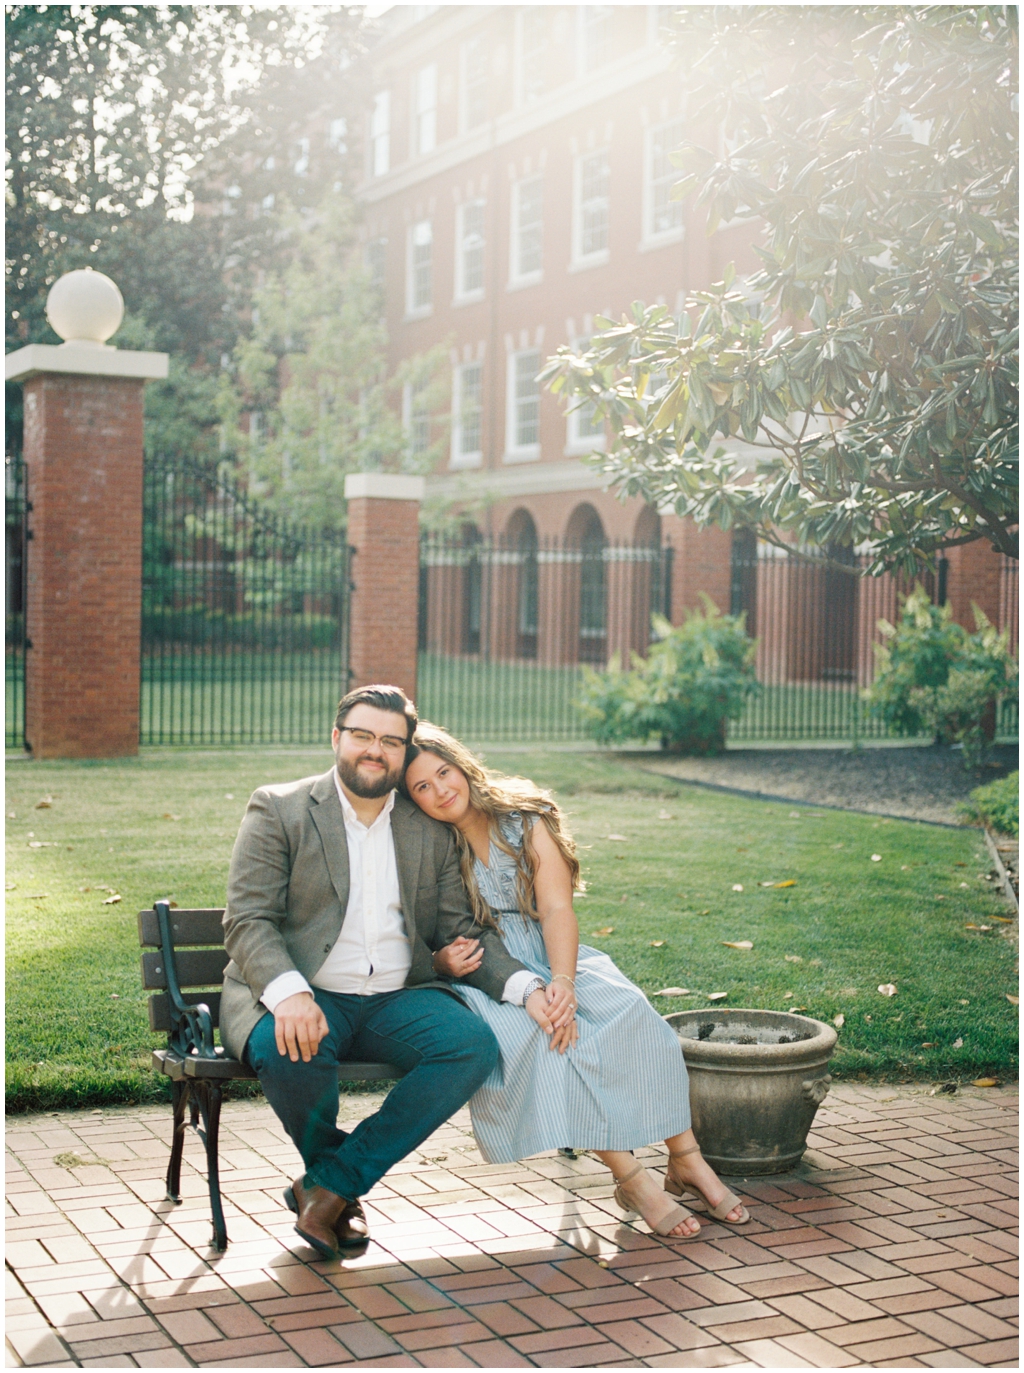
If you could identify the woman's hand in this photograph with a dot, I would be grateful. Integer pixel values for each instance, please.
(561, 1003)
(562, 1037)
(459, 958)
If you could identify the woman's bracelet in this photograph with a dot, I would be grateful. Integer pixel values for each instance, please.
(564, 977)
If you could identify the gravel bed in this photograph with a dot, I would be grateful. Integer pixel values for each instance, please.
(912, 783)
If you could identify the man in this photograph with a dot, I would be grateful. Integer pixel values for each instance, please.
(339, 892)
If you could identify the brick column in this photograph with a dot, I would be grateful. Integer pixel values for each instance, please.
(383, 529)
(83, 455)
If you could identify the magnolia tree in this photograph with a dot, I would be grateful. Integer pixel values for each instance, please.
(871, 361)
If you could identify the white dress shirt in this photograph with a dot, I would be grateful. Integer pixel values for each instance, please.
(372, 952)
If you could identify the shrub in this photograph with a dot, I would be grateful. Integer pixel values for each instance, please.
(935, 677)
(696, 678)
(995, 805)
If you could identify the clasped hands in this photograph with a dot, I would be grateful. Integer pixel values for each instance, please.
(553, 1007)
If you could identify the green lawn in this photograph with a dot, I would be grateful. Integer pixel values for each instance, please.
(163, 825)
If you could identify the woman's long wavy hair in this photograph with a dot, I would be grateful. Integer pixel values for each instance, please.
(497, 796)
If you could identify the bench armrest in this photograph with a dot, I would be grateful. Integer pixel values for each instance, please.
(191, 1033)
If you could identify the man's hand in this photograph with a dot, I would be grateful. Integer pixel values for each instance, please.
(299, 1026)
(459, 958)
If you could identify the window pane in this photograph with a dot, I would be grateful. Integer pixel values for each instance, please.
(476, 84)
(527, 400)
(534, 51)
(426, 108)
(529, 228)
(665, 214)
(472, 248)
(593, 208)
(421, 266)
(470, 388)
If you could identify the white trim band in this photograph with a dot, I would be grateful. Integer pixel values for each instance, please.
(83, 359)
(384, 486)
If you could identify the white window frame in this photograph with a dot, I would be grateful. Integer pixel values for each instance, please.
(468, 295)
(410, 417)
(526, 15)
(424, 110)
(474, 457)
(576, 441)
(516, 451)
(653, 237)
(415, 309)
(596, 257)
(587, 15)
(517, 278)
(380, 134)
(465, 126)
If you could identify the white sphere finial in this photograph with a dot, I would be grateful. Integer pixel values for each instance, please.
(85, 307)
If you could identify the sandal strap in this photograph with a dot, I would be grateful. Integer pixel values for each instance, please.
(626, 1177)
(728, 1203)
(693, 1149)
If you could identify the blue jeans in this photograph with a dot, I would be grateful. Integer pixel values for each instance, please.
(446, 1051)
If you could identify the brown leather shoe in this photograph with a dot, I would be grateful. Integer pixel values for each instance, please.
(318, 1212)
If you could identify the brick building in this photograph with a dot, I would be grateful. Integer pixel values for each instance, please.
(516, 185)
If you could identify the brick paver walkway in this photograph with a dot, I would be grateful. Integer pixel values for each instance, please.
(893, 1246)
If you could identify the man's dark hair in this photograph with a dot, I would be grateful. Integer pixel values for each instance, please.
(381, 697)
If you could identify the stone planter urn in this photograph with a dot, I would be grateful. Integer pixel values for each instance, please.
(756, 1080)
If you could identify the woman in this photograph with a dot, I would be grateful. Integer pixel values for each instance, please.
(599, 1070)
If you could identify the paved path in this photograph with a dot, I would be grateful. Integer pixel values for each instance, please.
(893, 1246)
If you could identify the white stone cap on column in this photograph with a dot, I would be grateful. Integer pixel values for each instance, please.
(384, 486)
(87, 359)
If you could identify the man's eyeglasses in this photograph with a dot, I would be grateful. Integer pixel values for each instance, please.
(389, 742)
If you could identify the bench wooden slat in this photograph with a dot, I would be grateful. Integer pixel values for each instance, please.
(160, 1008)
(172, 1065)
(196, 968)
(187, 927)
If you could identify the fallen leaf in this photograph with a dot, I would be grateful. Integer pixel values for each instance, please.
(664, 815)
(928, 1044)
(794, 815)
(39, 896)
(904, 867)
(963, 1002)
(623, 899)
(1013, 1000)
(839, 1020)
(619, 838)
(793, 958)
(769, 883)
(229, 796)
(985, 1082)
(977, 927)
(876, 858)
(707, 912)
(964, 885)
(940, 898)
(737, 943)
(867, 1017)
(717, 996)
(111, 901)
(608, 929)
(958, 1043)
(657, 943)
(789, 996)
(737, 886)
(887, 988)
(673, 991)
(115, 996)
(45, 803)
(798, 1008)
(1003, 919)
(790, 882)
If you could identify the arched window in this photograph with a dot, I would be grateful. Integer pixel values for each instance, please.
(472, 589)
(586, 533)
(522, 539)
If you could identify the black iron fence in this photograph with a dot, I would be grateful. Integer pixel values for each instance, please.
(505, 625)
(15, 510)
(244, 616)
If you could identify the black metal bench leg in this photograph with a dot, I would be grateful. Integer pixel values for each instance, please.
(179, 1100)
(213, 1094)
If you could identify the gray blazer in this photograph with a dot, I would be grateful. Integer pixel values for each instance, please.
(288, 893)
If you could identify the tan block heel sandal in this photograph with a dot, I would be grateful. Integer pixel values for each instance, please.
(663, 1224)
(720, 1212)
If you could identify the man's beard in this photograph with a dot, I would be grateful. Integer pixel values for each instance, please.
(369, 791)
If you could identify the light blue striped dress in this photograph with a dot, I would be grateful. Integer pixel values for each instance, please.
(624, 1083)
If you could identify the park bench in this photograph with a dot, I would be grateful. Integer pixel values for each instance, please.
(188, 953)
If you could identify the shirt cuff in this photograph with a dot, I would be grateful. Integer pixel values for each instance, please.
(517, 984)
(284, 985)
